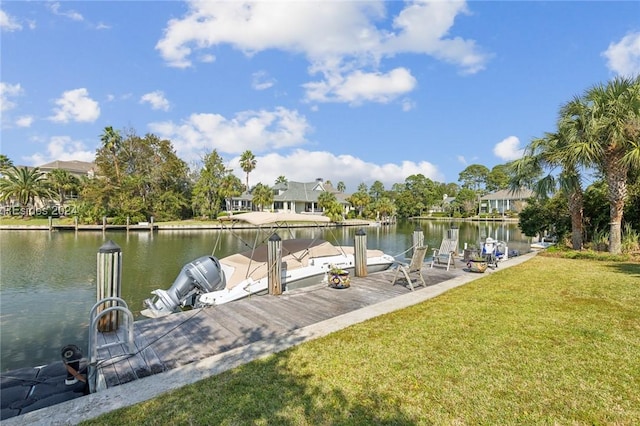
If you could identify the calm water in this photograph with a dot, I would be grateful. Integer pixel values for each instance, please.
(48, 280)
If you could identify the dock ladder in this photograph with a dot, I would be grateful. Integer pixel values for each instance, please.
(126, 339)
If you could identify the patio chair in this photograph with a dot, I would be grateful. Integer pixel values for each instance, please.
(413, 267)
(445, 254)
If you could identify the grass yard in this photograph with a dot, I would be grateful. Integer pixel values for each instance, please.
(551, 341)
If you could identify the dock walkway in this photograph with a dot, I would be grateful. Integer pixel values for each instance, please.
(203, 342)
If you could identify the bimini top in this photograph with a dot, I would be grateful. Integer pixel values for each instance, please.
(265, 218)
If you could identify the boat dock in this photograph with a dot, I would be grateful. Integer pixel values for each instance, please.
(185, 347)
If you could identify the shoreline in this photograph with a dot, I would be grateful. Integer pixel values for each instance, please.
(219, 226)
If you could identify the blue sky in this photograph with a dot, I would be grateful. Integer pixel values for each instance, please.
(350, 91)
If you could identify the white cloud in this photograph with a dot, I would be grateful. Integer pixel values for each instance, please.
(623, 57)
(156, 100)
(359, 86)
(508, 149)
(345, 41)
(71, 14)
(305, 166)
(75, 105)
(262, 81)
(62, 148)
(24, 121)
(9, 91)
(255, 130)
(8, 23)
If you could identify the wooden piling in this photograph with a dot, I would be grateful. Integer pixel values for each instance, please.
(417, 238)
(274, 261)
(109, 274)
(360, 253)
(50, 223)
(104, 223)
(75, 223)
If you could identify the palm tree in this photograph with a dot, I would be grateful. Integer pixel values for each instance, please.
(248, 163)
(341, 186)
(62, 182)
(281, 179)
(547, 154)
(24, 185)
(613, 143)
(112, 142)
(262, 196)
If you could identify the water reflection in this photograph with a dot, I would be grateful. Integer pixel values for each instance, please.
(48, 280)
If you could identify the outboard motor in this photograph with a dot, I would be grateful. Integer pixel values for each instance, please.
(202, 275)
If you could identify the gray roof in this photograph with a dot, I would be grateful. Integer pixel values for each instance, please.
(73, 166)
(506, 194)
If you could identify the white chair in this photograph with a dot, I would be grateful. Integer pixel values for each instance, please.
(445, 254)
(414, 267)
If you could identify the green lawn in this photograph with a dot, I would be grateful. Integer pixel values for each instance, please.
(551, 341)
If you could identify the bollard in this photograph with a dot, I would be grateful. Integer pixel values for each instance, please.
(71, 357)
(109, 282)
(418, 238)
(360, 253)
(274, 261)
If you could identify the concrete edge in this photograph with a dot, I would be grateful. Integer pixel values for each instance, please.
(87, 407)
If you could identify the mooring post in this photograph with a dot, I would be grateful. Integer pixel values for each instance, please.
(104, 223)
(128, 223)
(360, 253)
(151, 225)
(50, 223)
(417, 238)
(109, 282)
(75, 223)
(453, 234)
(274, 261)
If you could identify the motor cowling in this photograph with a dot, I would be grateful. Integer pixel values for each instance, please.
(202, 275)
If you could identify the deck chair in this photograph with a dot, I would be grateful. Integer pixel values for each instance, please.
(413, 267)
(445, 254)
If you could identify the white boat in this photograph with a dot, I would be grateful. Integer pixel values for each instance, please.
(209, 281)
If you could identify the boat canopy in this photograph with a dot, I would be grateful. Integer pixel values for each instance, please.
(265, 218)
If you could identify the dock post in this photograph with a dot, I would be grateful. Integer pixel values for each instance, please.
(360, 253)
(151, 225)
(75, 223)
(274, 261)
(104, 223)
(50, 223)
(109, 282)
(417, 238)
(128, 223)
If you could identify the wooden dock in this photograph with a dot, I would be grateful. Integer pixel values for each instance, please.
(187, 337)
(194, 336)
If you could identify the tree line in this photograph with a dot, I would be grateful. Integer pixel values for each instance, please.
(585, 175)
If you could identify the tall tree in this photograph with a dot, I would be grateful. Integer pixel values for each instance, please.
(248, 162)
(613, 144)
(112, 144)
(474, 177)
(5, 163)
(230, 186)
(341, 186)
(281, 179)
(207, 198)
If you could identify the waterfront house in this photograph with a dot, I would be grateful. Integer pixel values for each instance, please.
(504, 201)
(295, 197)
